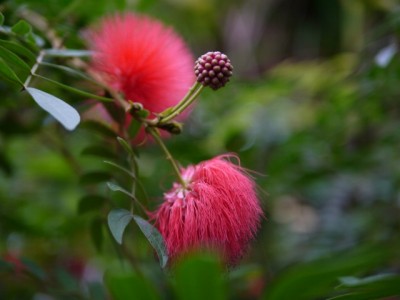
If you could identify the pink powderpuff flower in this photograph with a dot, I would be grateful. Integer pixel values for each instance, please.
(218, 210)
(142, 58)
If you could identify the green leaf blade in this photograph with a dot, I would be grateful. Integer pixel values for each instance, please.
(21, 28)
(118, 220)
(155, 239)
(8, 73)
(20, 50)
(9, 56)
(119, 167)
(200, 276)
(131, 285)
(68, 53)
(116, 188)
(75, 90)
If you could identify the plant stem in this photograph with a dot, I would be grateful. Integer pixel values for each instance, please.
(194, 87)
(193, 93)
(156, 135)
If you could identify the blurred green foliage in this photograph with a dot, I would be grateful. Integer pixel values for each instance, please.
(313, 110)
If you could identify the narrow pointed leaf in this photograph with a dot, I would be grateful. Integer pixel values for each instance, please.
(8, 73)
(126, 146)
(70, 71)
(133, 128)
(74, 90)
(13, 59)
(120, 168)
(155, 239)
(68, 53)
(60, 110)
(1, 19)
(118, 219)
(117, 188)
(21, 28)
(18, 49)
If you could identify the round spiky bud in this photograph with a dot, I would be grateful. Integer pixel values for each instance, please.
(213, 69)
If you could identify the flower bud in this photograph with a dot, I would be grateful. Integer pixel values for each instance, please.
(213, 69)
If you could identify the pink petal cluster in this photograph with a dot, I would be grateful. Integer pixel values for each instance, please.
(218, 210)
(142, 58)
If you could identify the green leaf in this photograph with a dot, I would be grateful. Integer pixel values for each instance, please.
(323, 274)
(99, 151)
(1, 19)
(200, 277)
(350, 281)
(60, 110)
(96, 232)
(95, 177)
(125, 170)
(144, 113)
(67, 53)
(118, 219)
(131, 286)
(99, 127)
(117, 188)
(13, 59)
(127, 147)
(121, 4)
(71, 71)
(373, 287)
(75, 90)
(134, 128)
(90, 203)
(21, 28)
(155, 239)
(8, 73)
(20, 50)
(34, 40)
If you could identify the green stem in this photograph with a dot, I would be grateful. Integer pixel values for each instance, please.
(156, 135)
(194, 87)
(134, 170)
(193, 93)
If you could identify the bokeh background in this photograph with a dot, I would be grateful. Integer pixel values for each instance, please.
(313, 108)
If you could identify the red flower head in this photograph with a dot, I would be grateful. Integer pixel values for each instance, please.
(143, 59)
(218, 209)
